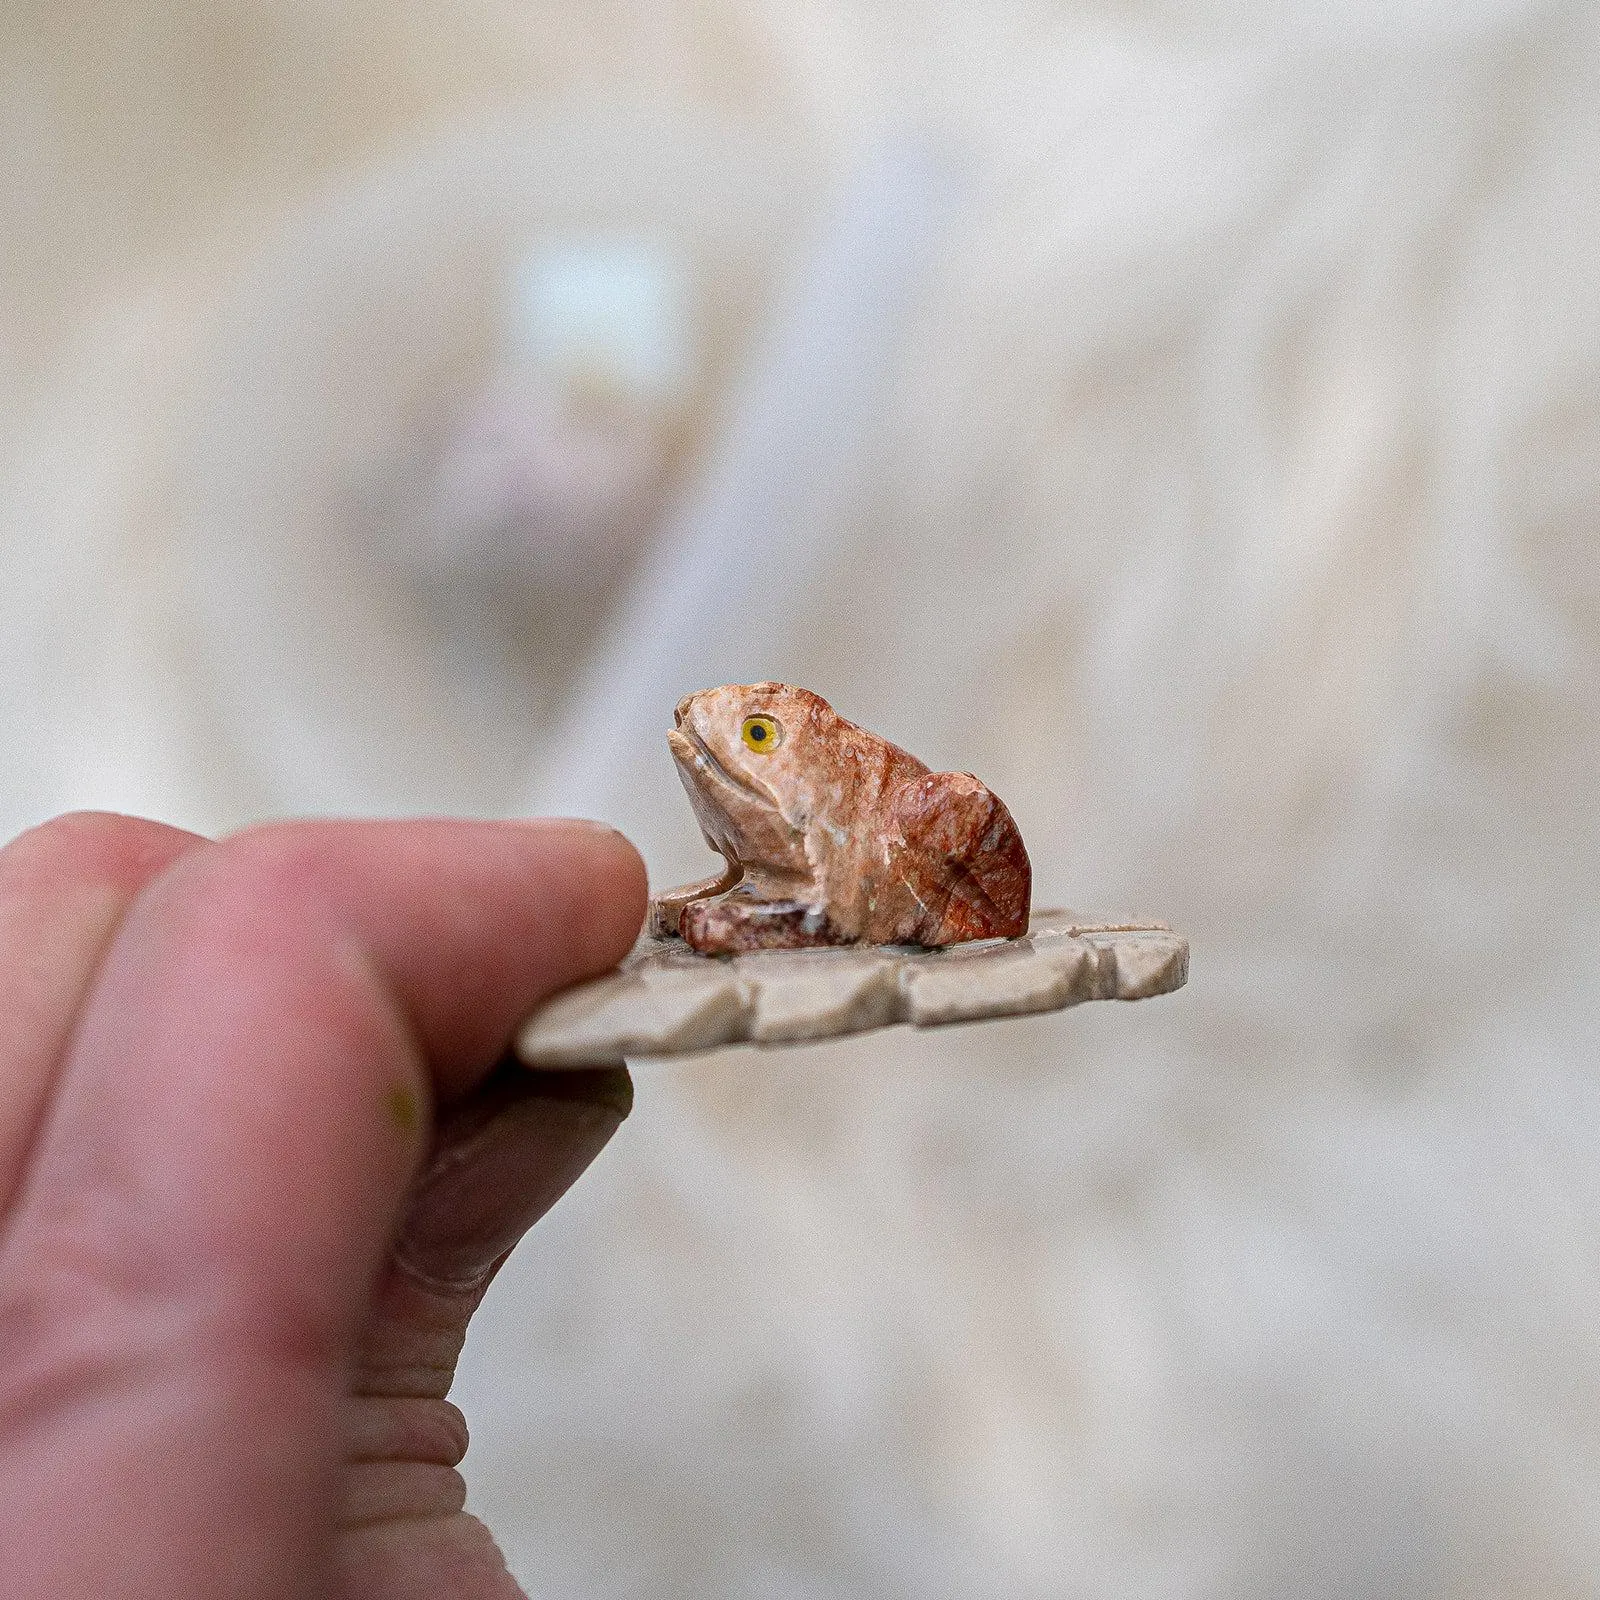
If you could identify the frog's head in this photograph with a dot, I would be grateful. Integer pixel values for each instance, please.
(751, 756)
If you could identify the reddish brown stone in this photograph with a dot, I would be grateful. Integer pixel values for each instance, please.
(833, 835)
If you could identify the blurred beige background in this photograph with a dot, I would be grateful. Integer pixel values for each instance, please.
(1182, 414)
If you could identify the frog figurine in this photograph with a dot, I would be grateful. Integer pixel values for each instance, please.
(833, 835)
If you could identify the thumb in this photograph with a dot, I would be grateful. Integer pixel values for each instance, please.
(500, 1160)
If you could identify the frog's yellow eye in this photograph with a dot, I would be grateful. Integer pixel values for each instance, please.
(761, 734)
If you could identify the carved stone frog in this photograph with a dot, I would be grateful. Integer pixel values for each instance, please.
(833, 835)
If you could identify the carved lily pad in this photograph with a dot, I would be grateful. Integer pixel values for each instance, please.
(666, 1000)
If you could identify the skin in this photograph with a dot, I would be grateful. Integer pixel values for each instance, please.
(833, 835)
(261, 1154)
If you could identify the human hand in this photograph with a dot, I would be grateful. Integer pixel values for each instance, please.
(260, 1155)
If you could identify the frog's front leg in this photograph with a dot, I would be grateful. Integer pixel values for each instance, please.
(667, 908)
(735, 923)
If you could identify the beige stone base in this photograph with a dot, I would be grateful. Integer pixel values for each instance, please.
(665, 1000)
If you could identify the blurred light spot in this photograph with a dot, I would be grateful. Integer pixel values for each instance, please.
(603, 314)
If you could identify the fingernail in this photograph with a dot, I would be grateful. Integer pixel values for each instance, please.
(592, 824)
(500, 1161)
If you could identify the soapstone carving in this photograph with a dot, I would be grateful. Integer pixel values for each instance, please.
(833, 836)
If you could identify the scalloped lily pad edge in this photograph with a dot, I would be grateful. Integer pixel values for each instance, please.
(667, 1000)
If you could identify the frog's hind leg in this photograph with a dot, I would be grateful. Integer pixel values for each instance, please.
(963, 860)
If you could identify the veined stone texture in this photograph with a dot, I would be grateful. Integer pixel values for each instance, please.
(832, 835)
(666, 1000)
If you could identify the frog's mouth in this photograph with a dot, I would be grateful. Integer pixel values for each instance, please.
(689, 749)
